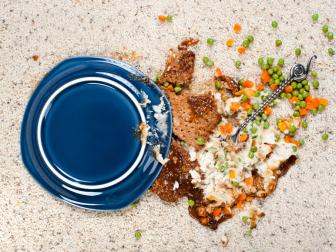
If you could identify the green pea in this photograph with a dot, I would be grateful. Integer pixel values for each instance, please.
(177, 89)
(271, 81)
(299, 86)
(313, 74)
(274, 24)
(251, 154)
(238, 63)
(218, 84)
(250, 38)
(137, 234)
(304, 82)
(277, 81)
(264, 116)
(258, 123)
(275, 69)
(166, 84)
(191, 202)
(207, 61)
(210, 41)
(266, 125)
(279, 72)
(296, 113)
(270, 71)
(257, 94)
(265, 66)
(300, 97)
(297, 107)
(240, 82)
(281, 62)
(301, 141)
(289, 96)
(305, 94)
(304, 124)
(298, 52)
(292, 129)
(249, 111)
(275, 76)
(294, 149)
(295, 93)
(302, 90)
(283, 95)
(307, 87)
(200, 140)
(256, 106)
(325, 28)
(244, 98)
(254, 130)
(246, 43)
(260, 61)
(302, 104)
(321, 107)
(331, 51)
(254, 148)
(278, 42)
(315, 17)
(325, 136)
(169, 18)
(314, 112)
(294, 84)
(270, 61)
(316, 84)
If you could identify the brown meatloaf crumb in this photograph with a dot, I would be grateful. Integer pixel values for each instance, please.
(179, 68)
(175, 171)
(194, 116)
(228, 83)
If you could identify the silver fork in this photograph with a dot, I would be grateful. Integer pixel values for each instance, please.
(297, 73)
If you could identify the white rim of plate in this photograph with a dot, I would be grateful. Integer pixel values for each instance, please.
(44, 112)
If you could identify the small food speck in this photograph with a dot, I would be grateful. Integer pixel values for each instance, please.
(225, 240)
(237, 28)
(331, 52)
(35, 57)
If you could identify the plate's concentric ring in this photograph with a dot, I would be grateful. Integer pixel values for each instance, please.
(78, 80)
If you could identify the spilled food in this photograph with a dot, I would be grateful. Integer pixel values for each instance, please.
(219, 177)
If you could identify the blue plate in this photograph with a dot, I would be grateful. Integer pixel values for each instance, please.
(80, 135)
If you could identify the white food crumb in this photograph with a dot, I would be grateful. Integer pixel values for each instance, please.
(145, 99)
(225, 240)
(158, 155)
(161, 117)
(176, 186)
(192, 154)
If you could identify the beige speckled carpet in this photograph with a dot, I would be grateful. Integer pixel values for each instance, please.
(300, 215)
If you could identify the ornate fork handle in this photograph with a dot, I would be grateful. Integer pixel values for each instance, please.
(297, 73)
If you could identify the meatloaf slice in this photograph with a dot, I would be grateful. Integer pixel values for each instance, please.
(174, 181)
(194, 116)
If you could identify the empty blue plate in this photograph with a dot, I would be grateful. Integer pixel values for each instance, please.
(81, 137)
